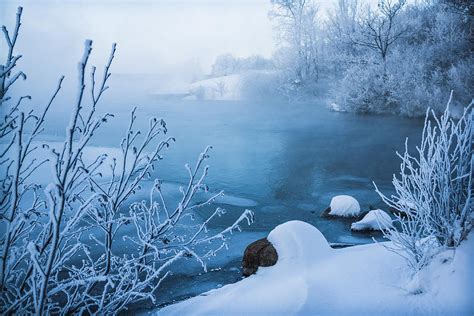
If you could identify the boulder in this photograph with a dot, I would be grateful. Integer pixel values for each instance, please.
(260, 253)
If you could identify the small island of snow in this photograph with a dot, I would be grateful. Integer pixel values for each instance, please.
(344, 206)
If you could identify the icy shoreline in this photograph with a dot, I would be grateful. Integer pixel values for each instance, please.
(311, 278)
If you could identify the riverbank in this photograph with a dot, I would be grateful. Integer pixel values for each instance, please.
(310, 278)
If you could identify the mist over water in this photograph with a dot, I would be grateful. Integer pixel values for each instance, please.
(174, 42)
(290, 165)
(285, 159)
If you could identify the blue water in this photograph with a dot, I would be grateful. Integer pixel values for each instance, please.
(289, 158)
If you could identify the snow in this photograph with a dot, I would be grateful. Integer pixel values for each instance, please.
(312, 279)
(220, 88)
(336, 107)
(374, 220)
(345, 206)
(292, 240)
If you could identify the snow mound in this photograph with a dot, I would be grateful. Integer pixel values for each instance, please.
(374, 220)
(345, 206)
(298, 241)
(277, 290)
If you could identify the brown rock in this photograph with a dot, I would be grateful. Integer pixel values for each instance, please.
(260, 253)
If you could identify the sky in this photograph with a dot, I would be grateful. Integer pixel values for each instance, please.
(178, 38)
(152, 36)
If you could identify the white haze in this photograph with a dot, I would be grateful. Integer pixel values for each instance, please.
(178, 39)
(174, 41)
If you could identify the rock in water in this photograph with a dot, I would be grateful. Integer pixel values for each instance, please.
(260, 253)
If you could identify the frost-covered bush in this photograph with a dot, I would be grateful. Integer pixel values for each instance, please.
(57, 244)
(298, 32)
(227, 64)
(413, 86)
(429, 56)
(461, 80)
(262, 85)
(364, 89)
(434, 189)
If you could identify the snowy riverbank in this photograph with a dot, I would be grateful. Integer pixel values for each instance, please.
(310, 278)
(235, 87)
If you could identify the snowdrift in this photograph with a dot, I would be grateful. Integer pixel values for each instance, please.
(310, 278)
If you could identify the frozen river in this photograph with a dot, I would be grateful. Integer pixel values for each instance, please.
(282, 160)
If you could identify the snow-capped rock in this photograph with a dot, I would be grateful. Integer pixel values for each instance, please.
(260, 253)
(345, 206)
(297, 240)
(374, 220)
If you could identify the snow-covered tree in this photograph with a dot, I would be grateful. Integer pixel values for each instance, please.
(380, 29)
(57, 253)
(296, 23)
(404, 66)
(340, 29)
(227, 64)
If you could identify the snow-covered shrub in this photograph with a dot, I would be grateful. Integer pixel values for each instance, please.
(364, 89)
(413, 85)
(227, 64)
(430, 55)
(416, 84)
(57, 250)
(461, 80)
(262, 85)
(434, 189)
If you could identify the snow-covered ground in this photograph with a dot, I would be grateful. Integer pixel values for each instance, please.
(220, 88)
(310, 278)
(251, 84)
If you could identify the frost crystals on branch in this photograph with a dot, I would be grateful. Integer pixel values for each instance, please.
(434, 189)
(57, 253)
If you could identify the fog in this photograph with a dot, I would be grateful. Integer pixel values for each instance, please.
(228, 121)
(177, 39)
